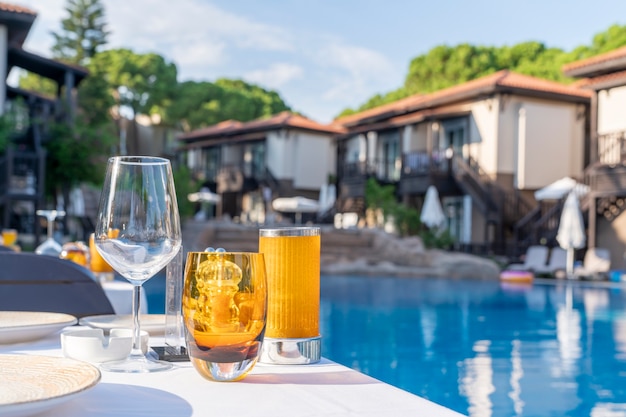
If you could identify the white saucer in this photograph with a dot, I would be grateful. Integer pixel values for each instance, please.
(152, 323)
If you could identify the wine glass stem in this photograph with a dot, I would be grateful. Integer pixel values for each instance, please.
(136, 351)
(50, 228)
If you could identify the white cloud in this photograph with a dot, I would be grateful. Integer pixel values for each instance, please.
(276, 76)
(357, 71)
(156, 24)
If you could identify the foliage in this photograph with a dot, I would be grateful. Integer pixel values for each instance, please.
(94, 98)
(76, 154)
(407, 220)
(143, 83)
(185, 185)
(32, 82)
(82, 32)
(201, 104)
(381, 197)
(445, 66)
(435, 239)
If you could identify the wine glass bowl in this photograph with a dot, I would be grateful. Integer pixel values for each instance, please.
(138, 234)
(224, 307)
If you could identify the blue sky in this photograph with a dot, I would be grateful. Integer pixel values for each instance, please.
(326, 55)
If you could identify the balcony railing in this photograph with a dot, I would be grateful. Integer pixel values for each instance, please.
(382, 170)
(612, 148)
(421, 163)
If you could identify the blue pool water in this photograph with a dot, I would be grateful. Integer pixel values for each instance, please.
(553, 349)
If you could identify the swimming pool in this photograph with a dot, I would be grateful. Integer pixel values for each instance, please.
(553, 349)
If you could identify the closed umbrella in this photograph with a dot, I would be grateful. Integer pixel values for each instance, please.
(560, 189)
(432, 213)
(571, 234)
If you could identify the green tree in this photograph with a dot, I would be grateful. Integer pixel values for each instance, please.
(200, 104)
(444, 66)
(141, 83)
(83, 32)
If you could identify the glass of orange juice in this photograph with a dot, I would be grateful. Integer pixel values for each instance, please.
(97, 264)
(292, 256)
(9, 236)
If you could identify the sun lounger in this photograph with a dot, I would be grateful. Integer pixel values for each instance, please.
(596, 265)
(536, 258)
(557, 263)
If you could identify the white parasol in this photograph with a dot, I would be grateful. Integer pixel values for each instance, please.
(432, 213)
(204, 196)
(571, 234)
(297, 205)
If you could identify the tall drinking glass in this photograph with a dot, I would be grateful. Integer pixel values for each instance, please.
(138, 234)
(292, 256)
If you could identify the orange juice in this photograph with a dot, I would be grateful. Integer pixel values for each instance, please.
(293, 280)
(9, 236)
(96, 263)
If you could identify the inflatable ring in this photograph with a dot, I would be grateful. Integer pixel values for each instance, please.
(519, 277)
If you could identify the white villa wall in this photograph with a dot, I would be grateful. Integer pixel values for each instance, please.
(278, 154)
(314, 159)
(612, 110)
(305, 158)
(549, 143)
(483, 134)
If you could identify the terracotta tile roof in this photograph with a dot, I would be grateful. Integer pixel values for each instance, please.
(501, 81)
(281, 120)
(603, 81)
(593, 61)
(7, 7)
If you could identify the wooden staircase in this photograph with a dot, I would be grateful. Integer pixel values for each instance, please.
(501, 208)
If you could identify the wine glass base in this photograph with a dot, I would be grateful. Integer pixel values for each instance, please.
(136, 365)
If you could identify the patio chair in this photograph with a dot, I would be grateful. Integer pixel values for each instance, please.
(556, 264)
(596, 265)
(536, 258)
(31, 282)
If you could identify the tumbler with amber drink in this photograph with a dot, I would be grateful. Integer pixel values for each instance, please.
(224, 306)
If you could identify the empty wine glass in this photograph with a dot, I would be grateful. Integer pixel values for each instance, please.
(138, 234)
(50, 246)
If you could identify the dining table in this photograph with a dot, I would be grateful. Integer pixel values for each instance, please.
(325, 388)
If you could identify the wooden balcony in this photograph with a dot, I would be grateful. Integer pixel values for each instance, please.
(421, 169)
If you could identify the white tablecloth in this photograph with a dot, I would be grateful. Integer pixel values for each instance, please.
(120, 295)
(323, 389)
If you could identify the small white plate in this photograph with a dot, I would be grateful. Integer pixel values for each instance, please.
(33, 384)
(25, 326)
(152, 323)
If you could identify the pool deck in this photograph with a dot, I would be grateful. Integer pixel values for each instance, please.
(352, 251)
